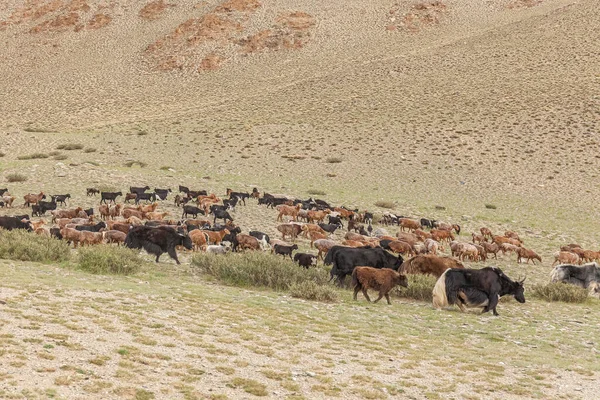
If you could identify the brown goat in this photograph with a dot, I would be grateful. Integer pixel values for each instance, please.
(384, 280)
(523, 253)
(409, 224)
(566, 257)
(247, 242)
(429, 265)
(32, 198)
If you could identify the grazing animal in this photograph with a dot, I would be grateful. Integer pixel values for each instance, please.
(10, 223)
(384, 280)
(491, 248)
(114, 236)
(329, 228)
(566, 257)
(8, 200)
(409, 224)
(486, 233)
(579, 275)
(238, 195)
(43, 206)
(291, 230)
(475, 288)
(191, 210)
(145, 197)
(428, 264)
(523, 253)
(285, 250)
(110, 196)
(138, 190)
(162, 194)
(2, 191)
(92, 191)
(130, 196)
(305, 259)
(91, 228)
(344, 259)
(428, 223)
(157, 240)
(323, 246)
(247, 242)
(335, 221)
(221, 214)
(61, 198)
(33, 198)
(199, 239)
(440, 235)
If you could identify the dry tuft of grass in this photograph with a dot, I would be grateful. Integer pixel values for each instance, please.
(70, 146)
(559, 291)
(249, 385)
(420, 287)
(33, 156)
(490, 206)
(131, 163)
(105, 259)
(385, 204)
(311, 291)
(16, 177)
(89, 150)
(316, 192)
(333, 160)
(26, 246)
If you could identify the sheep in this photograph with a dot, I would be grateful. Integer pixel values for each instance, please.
(523, 253)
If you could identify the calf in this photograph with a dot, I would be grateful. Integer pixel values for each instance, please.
(285, 250)
(305, 259)
(110, 196)
(384, 280)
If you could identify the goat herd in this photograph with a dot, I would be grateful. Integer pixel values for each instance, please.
(372, 257)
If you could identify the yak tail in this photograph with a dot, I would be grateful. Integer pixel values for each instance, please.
(440, 298)
(557, 274)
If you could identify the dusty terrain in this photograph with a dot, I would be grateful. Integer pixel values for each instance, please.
(453, 103)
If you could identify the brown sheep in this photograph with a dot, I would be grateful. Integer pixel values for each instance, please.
(134, 221)
(115, 236)
(70, 213)
(409, 224)
(247, 242)
(308, 228)
(384, 280)
(478, 238)
(199, 239)
(422, 235)
(504, 239)
(353, 243)
(508, 248)
(291, 230)
(512, 235)
(566, 257)
(33, 198)
(429, 265)
(118, 226)
(115, 211)
(91, 238)
(523, 253)
(431, 246)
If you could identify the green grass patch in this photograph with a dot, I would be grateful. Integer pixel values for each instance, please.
(560, 292)
(70, 146)
(33, 156)
(311, 291)
(250, 386)
(26, 246)
(104, 259)
(16, 177)
(258, 269)
(420, 287)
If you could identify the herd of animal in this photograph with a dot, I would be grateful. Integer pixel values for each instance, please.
(372, 257)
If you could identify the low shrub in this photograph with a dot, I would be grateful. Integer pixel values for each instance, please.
(16, 177)
(257, 269)
(104, 259)
(69, 146)
(385, 204)
(27, 246)
(89, 150)
(309, 290)
(420, 287)
(33, 156)
(490, 206)
(60, 157)
(560, 292)
(131, 163)
(333, 160)
(316, 192)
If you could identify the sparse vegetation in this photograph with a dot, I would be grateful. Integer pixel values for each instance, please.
(309, 290)
(560, 292)
(165, 168)
(33, 156)
(420, 288)
(2, 154)
(70, 146)
(89, 150)
(60, 157)
(131, 163)
(26, 246)
(16, 177)
(249, 386)
(490, 206)
(316, 192)
(104, 259)
(385, 204)
(333, 160)
(257, 269)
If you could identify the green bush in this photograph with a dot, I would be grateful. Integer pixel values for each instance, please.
(420, 287)
(257, 269)
(309, 290)
(104, 259)
(560, 292)
(27, 246)
(16, 177)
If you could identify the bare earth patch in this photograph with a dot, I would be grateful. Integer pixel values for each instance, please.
(154, 10)
(419, 15)
(524, 3)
